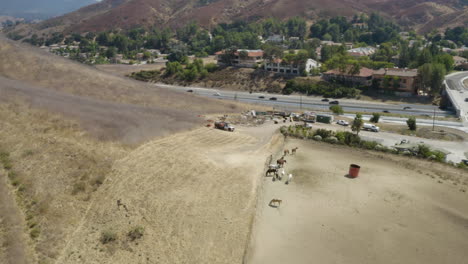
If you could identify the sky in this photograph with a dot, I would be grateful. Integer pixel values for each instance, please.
(32, 9)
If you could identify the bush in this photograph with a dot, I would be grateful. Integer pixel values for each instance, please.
(211, 67)
(324, 133)
(369, 144)
(336, 109)
(351, 139)
(317, 137)
(331, 140)
(136, 233)
(108, 237)
(375, 118)
(411, 122)
(78, 187)
(35, 232)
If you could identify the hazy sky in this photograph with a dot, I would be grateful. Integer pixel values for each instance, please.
(41, 7)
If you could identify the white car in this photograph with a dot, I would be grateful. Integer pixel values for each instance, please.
(217, 94)
(371, 127)
(342, 122)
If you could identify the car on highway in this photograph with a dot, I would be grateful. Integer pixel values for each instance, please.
(386, 111)
(466, 99)
(342, 123)
(325, 100)
(190, 91)
(217, 94)
(334, 102)
(406, 108)
(273, 98)
(261, 97)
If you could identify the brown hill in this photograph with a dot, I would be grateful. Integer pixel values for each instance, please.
(112, 14)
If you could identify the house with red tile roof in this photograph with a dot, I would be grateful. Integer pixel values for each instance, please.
(363, 77)
(400, 80)
(241, 58)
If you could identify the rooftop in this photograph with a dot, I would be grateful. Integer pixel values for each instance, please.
(364, 72)
(401, 72)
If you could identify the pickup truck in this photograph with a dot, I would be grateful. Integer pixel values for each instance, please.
(224, 126)
(371, 127)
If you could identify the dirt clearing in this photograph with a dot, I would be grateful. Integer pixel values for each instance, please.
(396, 211)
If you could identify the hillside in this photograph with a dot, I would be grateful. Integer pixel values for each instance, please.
(124, 14)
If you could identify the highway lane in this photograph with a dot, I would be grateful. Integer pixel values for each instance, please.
(296, 102)
(458, 93)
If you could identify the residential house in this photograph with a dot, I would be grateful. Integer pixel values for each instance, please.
(361, 52)
(459, 60)
(242, 58)
(275, 38)
(279, 66)
(360, 25)
(403, 81)
(363, 77)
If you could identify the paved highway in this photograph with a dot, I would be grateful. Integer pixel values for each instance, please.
(295, 102)
(458, 93)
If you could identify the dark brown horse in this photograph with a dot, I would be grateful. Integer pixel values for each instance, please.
(274, 171)
(281, 162)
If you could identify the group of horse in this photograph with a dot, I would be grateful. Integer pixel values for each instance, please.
(279, 174)
(275, 168)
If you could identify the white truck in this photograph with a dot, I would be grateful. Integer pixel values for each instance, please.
(224, 126)
(371, 127)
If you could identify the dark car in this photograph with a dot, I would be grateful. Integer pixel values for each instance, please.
(190, 91)
(334, 102)
(273, 98)
(406, 108)
(325, 100)
(466, 99)
(261, 97)
(386, 111)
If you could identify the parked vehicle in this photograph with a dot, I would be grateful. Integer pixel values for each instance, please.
(261, 97)
(342, 122)
(190, 91)
(327, 119)
(273, 98)
(325, 100)
(334, 102)
(371, 127)
(224, 126)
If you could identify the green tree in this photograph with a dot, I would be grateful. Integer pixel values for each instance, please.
(375, 118)
(357, 124)
(411, 122)
(336, 109)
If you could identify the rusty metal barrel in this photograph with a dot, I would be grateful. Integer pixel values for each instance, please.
(354, 170)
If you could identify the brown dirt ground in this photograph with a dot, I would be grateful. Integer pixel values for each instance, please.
(398, 210)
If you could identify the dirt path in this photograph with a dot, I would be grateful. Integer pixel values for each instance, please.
(13, 247)
(396, 211)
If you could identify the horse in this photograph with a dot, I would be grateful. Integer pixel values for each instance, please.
(275, 171)
(275, 201)
(282, 174)
(289, 179)
(286, 152)
(293, 151)
(281, 162)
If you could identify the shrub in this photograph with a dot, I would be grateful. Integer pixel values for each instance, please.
(136, 233)
(108, 237)
(357, 123)
(331, 140)
(35, 232)
(336, 109)
(351, 139)
(369, 144)
(317, 137)
(411, 122)
(78, 187)
(324, 133)
(211, 67)
(375, 118)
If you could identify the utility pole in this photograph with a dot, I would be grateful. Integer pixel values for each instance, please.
(433, 119)
(235, 96)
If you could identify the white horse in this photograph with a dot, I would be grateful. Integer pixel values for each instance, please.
(283, 173)
(289, 178)
(273, 166)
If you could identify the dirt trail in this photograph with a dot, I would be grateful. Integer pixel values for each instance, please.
(14, 248)
(194, 193)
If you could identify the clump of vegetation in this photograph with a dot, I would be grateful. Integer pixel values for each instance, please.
(34, 232)
(5, 160)
(108, 236)
(336, 109)
(411, 122)
(78, 187)
(375, 118)
(136, 233)
(145, 75)
(357, 123)
(326, 89)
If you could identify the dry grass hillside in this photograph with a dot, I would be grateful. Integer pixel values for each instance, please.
(125, 14)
